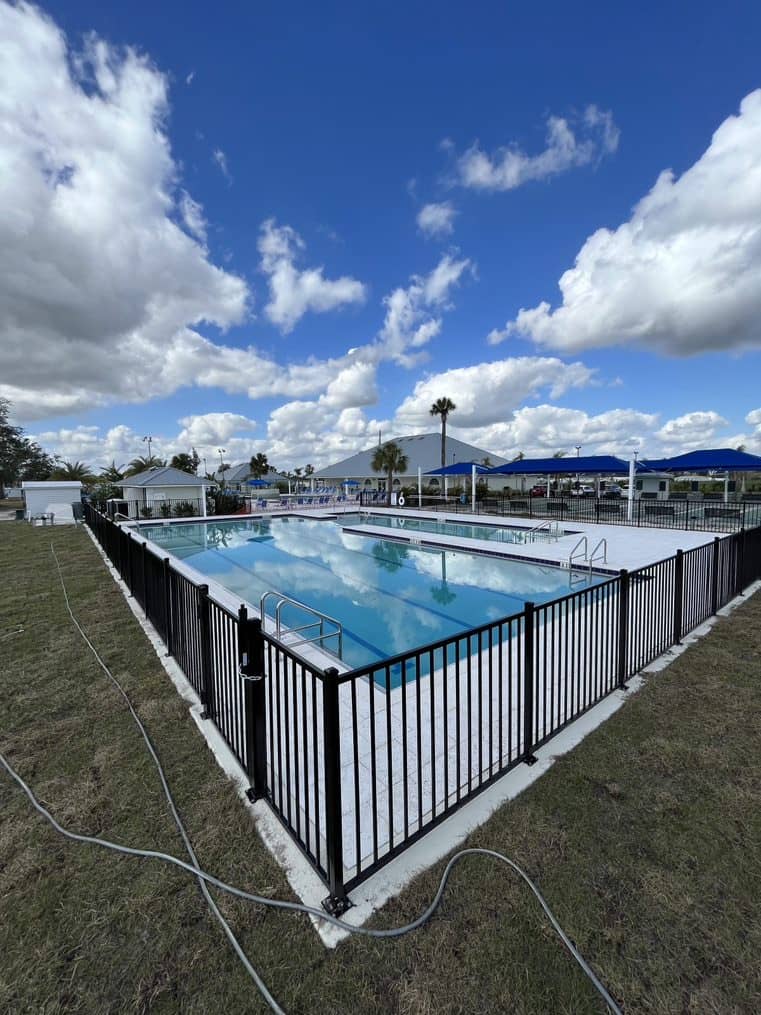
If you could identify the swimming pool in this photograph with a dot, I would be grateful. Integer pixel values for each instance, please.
(541, 532)
(389, 596)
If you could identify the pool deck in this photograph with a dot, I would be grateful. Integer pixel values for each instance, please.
(628, 546)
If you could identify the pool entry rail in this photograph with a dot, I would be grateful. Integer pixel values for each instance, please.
(358, 765)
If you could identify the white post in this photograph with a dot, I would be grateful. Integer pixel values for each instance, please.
(419, 487)
(726, 487)
(473, 489)
(311, 481)
(203, 502)
(446, 487)
(630, 505)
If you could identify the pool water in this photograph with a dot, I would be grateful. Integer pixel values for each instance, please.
(389, 596)
(466, 530)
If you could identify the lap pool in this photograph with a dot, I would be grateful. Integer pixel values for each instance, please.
(390, 597)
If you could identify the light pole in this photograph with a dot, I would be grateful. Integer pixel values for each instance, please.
(220, 452)
(149, 439)
(578, 450)
(205, 469)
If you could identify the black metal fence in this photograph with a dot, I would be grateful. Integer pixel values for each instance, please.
(705, 514)
(359, 765)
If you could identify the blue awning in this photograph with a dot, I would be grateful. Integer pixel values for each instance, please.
(720, 459)
(458, 469)
(594, 465)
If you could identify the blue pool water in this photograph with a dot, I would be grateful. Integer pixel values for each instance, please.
(466, 530)
(390, 597)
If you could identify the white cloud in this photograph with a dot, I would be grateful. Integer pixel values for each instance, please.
(213, 428)
(570, 143)
(683, 275)
(410, 321)
(693, 430)
(219, 157)
(489, 392)
(98, 284)
(293, 292)
(189, 78)
(437, 219)
(193, 217)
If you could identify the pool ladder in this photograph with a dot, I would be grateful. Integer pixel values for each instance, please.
(581, 552)
(319, 622)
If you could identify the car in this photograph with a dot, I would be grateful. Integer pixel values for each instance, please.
(538, 491)
(612, 490)
(582, 490)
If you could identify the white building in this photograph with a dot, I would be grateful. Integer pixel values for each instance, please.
(51, 500)
(164, 492)
(422, 450)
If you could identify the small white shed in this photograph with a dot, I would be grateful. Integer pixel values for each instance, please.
(164, 492)
(51, 497)
(652, 485)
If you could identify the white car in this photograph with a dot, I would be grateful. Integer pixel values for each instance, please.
(582, 490)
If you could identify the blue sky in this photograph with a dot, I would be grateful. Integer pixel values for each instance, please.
(196, 234)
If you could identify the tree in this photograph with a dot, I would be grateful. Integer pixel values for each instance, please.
(112, 473)
(185, 462)
(309, 470)
(442, 407)
(142, 463)
(20, 458)
(559, 454)
(259, 465)
(389, 458)
(519, 457)
(74, 471)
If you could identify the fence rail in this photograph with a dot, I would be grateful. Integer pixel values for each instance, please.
(358, 765)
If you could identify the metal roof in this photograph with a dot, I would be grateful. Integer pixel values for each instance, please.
(166, 476)
(422, 450)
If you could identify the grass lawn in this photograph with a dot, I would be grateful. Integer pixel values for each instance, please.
(646, 841)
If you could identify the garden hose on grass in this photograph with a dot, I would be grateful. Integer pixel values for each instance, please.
(204, 877)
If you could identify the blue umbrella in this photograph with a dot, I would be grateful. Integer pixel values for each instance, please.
(351, 482)
(258, 482)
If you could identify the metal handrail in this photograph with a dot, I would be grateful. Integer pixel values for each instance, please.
(604, 556)
(581, 542)
(283, 600)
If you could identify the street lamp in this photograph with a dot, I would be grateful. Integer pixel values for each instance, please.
(578, 450)
(220, 452)
(149, 439)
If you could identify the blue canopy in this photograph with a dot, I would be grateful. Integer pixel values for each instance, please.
(595, 465)
(722, 459)
(458, 469)
(350, 482)
(258, 482)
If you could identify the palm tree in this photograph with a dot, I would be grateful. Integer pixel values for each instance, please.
(389, 458)
(259, 465)
(519, 457)
(185, 462)
(442, 407)
(113, 473)
(73, 470)
(143, 463)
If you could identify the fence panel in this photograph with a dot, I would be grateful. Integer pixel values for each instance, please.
(423, 732)
(576, 644)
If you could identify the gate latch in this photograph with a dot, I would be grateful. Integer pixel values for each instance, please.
(243, 667)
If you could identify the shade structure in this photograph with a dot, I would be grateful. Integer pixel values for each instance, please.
(459, 469)
(258, 482)
(720, 459)
(351, 482)
(594, 465)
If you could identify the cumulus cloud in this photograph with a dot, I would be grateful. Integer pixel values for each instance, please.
(570, 142)
(293, 292)
(488, 392)
(683, 274)
(98, 284)
(413, 315)
(693, 428)
(213, 428)
(437, 219)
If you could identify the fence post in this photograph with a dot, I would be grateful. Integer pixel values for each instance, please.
(251, 669)
(337, 902)
(130, 569)
(166, 571)
(715, 577)
(678, 595)
(740, 561)
(204, 619)
(528, 684)
(144, 555)
(623, 627)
